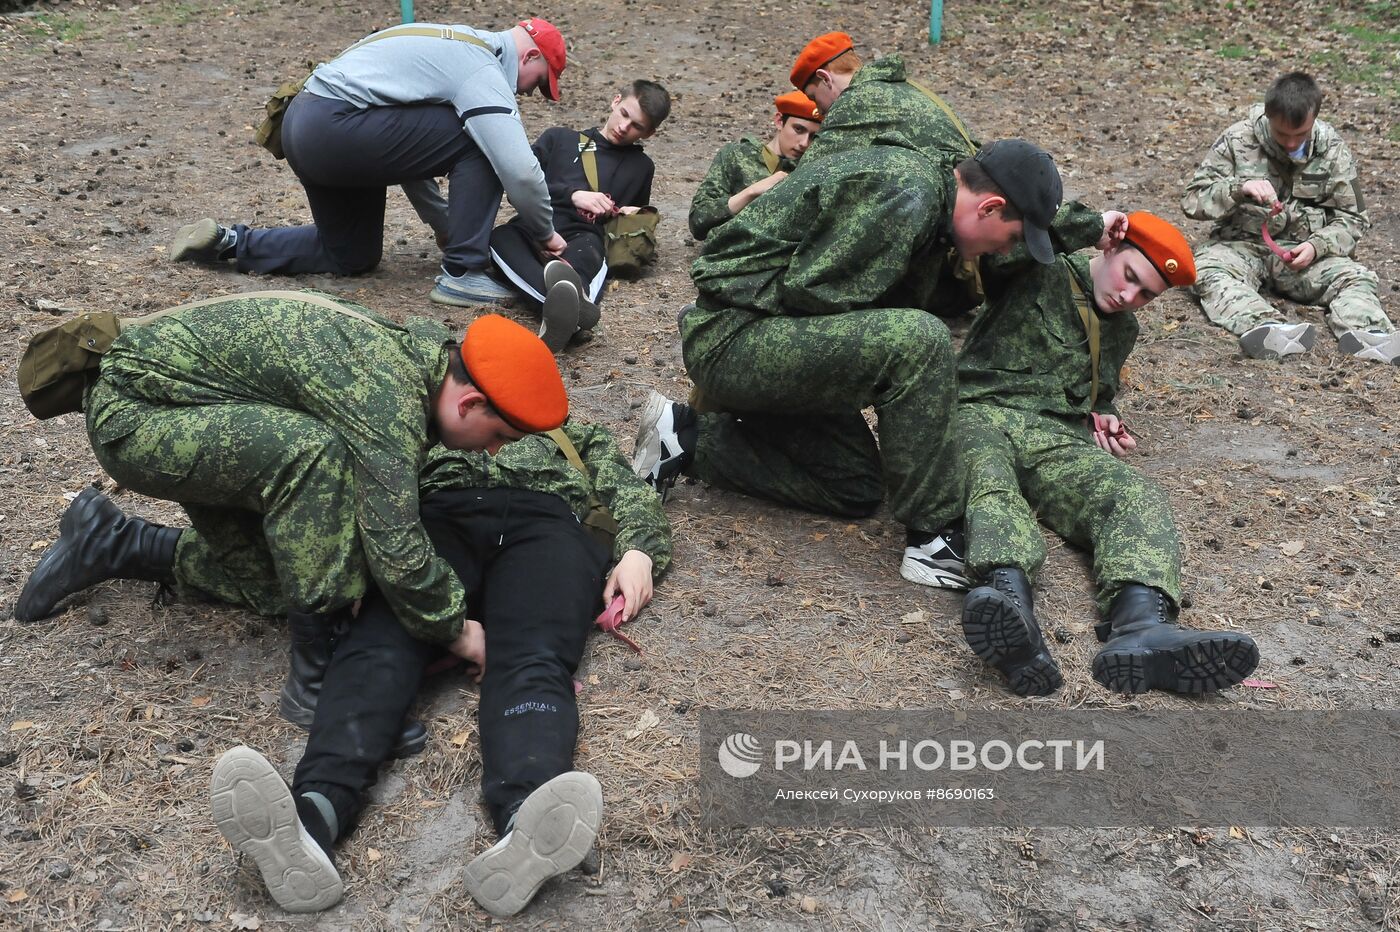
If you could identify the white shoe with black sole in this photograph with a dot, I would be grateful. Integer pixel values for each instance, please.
(255, 811)
(935, 561)
(554, 830)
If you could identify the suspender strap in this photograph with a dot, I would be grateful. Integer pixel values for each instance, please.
(770, 159)
(303, 297)
(588, 155)
(598, 515)
(436, 32)
(1091, 328)
(957, 123)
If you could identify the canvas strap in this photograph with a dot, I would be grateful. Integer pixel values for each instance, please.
(595, 505)
(770, 158)
(957, 123)
(1091, 328)
(438, 32)
(588, 155)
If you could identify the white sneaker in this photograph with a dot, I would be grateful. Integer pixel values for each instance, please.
(1371, 344)
(554, 830)
(1274, 341)
(256, 813)
(666, 441)
(935, 560)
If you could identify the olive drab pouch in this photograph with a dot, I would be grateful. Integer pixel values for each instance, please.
(629, 240)
(269, 131)
(60, 363)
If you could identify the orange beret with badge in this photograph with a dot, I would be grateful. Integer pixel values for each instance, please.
(819, 53)
(798, 104)
(516, 372)
(1164, 246)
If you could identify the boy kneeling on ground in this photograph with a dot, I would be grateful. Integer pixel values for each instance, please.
(1037, 378)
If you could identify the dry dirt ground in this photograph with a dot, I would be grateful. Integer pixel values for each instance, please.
(120, 121)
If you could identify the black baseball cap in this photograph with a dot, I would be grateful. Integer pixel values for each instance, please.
(1028, 177)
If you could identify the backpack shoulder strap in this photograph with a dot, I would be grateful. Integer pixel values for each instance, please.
(942, 105)
(599, 516)
(588, 155)
(1090, 320)
(440, 32)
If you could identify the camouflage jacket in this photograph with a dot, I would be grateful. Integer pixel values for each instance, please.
(1321, 193)
(1028, 349)
(880, 105)
(536, 463)
(370, 383)
(736, 166)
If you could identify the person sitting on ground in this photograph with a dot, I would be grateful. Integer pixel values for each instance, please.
(510, 527)
(1284, 170)
(814, 303)
(404, 106)
(1038, 376)
(744, 169)
(593, 175)
(291, 427)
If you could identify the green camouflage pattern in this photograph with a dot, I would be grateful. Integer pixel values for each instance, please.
(812, 306)
(537, 464)
(1321, 195)
(1021, 464)
(736, 166)
(293, 435)
(1230, 278)
(881, 106)
(1028, 349)
(1323, 206)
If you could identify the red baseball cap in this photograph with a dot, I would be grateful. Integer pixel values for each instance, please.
(551, 46)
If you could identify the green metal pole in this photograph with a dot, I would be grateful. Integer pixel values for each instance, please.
(935, 21)
(406, 6)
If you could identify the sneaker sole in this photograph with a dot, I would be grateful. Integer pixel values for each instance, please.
(916, 571)
(648, 449)
(1203, 667)
(255, 811)
(554, 830)
(559, 316)
(996, 633)
(464, 300)
(192, 238)
(556, 271)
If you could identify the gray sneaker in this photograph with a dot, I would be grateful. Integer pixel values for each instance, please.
(1371, 344)
(559, 315)
(256, 813)
(556, 271)
(203, 241)
(469, 289)
(1274, 340)
(553, 831)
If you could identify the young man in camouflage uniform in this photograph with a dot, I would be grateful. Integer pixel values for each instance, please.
(814, 303)
(291, 428)
(510, 527)
(743, 170)
(1038, 375)
(1283, 158)
(864, 103)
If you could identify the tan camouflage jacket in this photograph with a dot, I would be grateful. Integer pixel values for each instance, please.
(1321, 193)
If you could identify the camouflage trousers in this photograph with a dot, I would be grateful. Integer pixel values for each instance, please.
(1020, 465)
(1229, 277)
(793, 389)
(269, 493)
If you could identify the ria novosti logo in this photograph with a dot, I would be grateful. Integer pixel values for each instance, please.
(739, 755)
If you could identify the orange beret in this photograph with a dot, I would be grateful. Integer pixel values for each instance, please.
(798, 104)
(516, 372)
(1164, 247)
(819, 53)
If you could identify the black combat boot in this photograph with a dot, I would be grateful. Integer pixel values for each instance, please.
(96, 542)
(1145, 649)
(313, 642)
(998, 621)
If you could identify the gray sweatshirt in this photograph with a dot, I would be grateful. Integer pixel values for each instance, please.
(478, 84)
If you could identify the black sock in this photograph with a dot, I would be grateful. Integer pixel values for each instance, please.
(315, 823)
